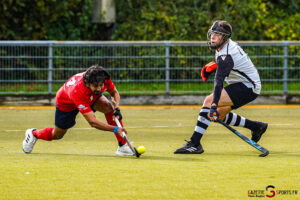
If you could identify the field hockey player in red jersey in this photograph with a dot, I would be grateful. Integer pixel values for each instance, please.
(83, 93)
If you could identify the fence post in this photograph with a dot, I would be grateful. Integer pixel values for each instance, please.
(167, 43)
(285, 69)
(50, 67)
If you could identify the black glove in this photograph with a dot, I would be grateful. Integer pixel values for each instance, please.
(118, 113)
(213, 111)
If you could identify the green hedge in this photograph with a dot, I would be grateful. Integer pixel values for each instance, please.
(190, 20)
(46, 20)
(149, 19)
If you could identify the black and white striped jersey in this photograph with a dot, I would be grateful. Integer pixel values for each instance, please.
(235, 66)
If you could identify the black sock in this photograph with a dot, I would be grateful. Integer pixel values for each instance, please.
(120, 144)
(196, 137)
(251, 124)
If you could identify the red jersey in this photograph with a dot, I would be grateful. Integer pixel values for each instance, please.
(75, 95)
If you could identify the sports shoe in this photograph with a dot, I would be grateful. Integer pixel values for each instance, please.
(29, 141)
(124, 150)
(190, 148)
(258, 132)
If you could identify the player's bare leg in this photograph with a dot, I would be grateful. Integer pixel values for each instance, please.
(224, 105)
(58, 133)
(103, 105)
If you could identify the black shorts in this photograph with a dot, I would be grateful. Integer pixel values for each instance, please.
(65, 120)
(240, 94)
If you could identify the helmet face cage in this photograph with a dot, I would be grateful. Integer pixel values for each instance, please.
(217, 29)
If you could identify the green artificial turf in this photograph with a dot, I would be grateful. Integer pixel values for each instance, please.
(83, 164)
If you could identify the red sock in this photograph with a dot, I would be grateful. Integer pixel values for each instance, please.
(44, 134)
(110, 121)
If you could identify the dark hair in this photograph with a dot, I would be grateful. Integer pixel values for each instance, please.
(96, 74)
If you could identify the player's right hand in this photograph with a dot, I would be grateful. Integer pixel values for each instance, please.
(117, 113)
(213, 112)
(120, 131)
(207, 70)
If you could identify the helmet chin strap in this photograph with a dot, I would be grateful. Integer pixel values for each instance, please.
(215, 47)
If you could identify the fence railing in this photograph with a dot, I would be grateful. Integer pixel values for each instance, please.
(166, 67)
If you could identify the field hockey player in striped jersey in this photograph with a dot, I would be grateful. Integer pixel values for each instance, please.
(234, 66)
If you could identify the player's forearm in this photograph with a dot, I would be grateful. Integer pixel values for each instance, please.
(101, 126)
(116, 98)
(91, 118)
(117, 101)
(217, 91)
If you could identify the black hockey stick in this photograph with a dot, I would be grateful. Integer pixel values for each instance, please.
(264, 151)
(133, 149)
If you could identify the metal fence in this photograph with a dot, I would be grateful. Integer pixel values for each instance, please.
(41, 67)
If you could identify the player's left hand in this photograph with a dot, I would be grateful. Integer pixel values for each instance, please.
(213, 112)
(207, 70)
(118, 114)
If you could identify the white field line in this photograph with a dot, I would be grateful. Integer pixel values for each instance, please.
(139, 127)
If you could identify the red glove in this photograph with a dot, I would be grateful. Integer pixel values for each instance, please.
(207, 70)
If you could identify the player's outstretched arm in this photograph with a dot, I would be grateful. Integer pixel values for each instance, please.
(91, 118)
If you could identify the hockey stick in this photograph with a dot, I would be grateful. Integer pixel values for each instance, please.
(264, 151)
(133, 149)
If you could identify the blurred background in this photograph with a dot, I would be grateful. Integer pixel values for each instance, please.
(152, 48)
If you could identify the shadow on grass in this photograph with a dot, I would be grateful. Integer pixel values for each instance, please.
(280, 153)
(233, 154)
(253, 154)
(193, 158)
(180, 157)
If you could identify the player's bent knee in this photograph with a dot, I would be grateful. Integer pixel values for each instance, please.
(108, 108)
(104, 107)
(207, 101)
(222, 116)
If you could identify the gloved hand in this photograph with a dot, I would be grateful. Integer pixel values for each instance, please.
(118, 113)
(207, 70)
(213, 111)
